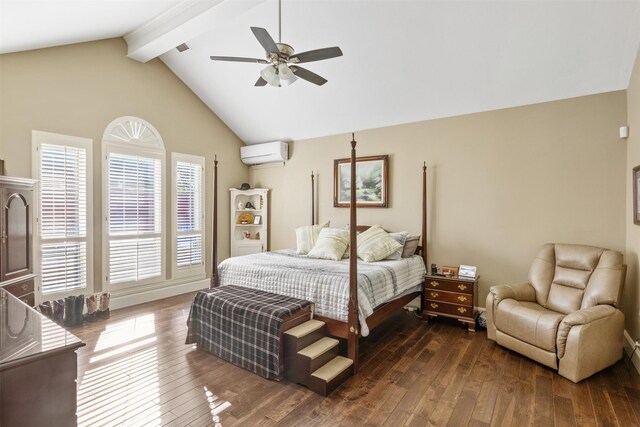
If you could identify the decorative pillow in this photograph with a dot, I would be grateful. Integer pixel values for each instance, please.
(331, 244)
(307, 236)
(400, 237)
(376, 244)
(410, 245)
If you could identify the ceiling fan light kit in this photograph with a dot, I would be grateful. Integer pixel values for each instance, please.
(281, 70)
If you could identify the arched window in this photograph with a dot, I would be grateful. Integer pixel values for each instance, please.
(133, 203)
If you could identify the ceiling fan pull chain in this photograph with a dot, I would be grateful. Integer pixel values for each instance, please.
(279, 21)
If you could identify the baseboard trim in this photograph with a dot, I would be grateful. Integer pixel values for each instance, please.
(629, 345)
(122, 301)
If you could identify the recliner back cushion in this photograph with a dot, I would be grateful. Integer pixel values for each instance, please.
(569, 277)
(606, 281)
(574, 267)
(541, 272)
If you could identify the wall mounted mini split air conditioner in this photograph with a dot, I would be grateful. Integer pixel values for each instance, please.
(269, 152)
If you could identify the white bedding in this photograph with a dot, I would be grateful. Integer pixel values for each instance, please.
(324, 282)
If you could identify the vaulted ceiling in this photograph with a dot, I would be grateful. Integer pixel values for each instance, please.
(404, 61)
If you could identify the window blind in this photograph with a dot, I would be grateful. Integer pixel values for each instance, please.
(188, 213)
(135, 218)
(63, 217)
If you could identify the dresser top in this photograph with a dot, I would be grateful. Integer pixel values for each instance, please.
(27, 335)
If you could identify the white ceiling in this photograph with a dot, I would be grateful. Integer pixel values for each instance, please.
(404, 61)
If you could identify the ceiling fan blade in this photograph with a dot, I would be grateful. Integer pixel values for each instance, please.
(307, 75)
(265, 40)
(316, 55)
(261, 82)
(237, 59)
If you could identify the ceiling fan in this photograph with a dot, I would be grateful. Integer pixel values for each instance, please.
(282, 63)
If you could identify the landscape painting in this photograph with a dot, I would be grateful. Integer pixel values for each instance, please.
(371, 182)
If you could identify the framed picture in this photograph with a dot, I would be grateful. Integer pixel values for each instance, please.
(257, 219)
(372, 182)
(636, 195)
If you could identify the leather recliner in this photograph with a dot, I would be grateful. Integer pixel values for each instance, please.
(566, 315)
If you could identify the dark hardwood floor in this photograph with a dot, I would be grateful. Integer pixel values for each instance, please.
(137, 371)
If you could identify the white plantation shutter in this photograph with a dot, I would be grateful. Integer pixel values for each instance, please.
(188, 187)
(134, 217)
(62, 172)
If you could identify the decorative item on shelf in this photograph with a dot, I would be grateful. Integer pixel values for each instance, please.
(257, 236)
(261, 203)
(240, 205)
(468, 271)
(249, 205)
(245, 218)
(246, 235)
(257, 219)
(245, 186)
(449, 271)
(434, 269)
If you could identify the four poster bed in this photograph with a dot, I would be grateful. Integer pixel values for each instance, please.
(371, 292)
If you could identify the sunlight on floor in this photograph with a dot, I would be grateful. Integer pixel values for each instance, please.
(216, 405)
(126, 331)
(120, 386)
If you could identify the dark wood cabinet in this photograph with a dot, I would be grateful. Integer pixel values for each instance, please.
(16, 237)
(454, 297)
(38, 368)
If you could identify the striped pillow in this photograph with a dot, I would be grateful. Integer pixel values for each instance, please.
(331, 244)
(307, 236)
(375, 244)
(400, 237)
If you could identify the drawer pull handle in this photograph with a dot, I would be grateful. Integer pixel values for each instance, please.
(462, 310)
(24, 287)
(462, 298)
(462, 287)
(435, 284)
(433, 305)
(434, 294)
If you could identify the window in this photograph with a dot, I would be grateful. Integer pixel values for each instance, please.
(133, 179)
(62, 165)
(188, 214)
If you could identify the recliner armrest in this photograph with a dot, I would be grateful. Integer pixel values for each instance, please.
(580, 317)
(519, 292)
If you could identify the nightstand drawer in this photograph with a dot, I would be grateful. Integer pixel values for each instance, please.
(437, 307)
(449, 297)
(449, 285)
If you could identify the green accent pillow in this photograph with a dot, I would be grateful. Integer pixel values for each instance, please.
(307, 236)
(331, 244)
(375, 244)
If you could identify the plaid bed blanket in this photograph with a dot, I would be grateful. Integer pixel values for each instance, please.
(242, 326)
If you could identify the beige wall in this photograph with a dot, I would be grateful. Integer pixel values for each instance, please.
(632, 291)
(501, 183)
(79, 89)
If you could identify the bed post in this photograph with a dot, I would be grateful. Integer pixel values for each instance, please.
(353, 323)
(313, 200)
(214, 236)
(424, 214)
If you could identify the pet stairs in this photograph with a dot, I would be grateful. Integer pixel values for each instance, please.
(311, 358)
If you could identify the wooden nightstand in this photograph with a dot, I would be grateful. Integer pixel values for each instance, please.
(454, 297)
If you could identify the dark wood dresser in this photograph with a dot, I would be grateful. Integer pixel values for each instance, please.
(454, 297)
(38, 368)
(16, 242)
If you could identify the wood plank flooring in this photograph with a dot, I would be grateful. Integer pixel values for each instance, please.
(137, 371)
